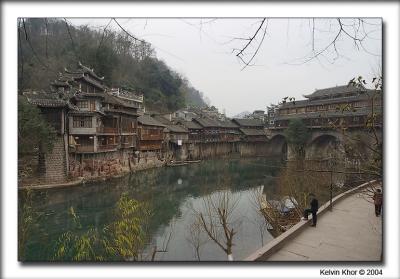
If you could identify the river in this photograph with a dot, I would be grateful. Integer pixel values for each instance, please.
(172, 193)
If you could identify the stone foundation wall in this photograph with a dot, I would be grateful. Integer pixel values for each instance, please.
(109, 164)
(199, 151)
(55, 167)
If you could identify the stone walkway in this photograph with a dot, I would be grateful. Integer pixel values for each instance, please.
(351, 232)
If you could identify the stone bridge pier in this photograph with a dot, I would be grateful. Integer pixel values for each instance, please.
(324, 144)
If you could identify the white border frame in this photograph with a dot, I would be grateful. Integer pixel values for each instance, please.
(10, 11)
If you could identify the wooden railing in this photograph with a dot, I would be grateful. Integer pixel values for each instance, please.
(107, 147)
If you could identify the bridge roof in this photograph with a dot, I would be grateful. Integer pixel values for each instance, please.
(337, 90)
(358, 112)
(337, 100)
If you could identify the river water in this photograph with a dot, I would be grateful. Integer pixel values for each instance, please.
(172, 193)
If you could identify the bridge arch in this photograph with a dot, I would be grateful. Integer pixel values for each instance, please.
(278, 146)
(325, 145)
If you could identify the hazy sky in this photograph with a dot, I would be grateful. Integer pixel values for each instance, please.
(203, 51)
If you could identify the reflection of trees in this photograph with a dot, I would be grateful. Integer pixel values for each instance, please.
(159, 188)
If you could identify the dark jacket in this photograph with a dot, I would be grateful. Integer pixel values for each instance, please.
(378, 197)
(314, 205)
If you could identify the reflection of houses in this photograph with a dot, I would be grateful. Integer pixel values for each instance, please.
(340, 105)
(252, 129)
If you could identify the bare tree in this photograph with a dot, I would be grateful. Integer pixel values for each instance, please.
(217, 219)
(195, 237)
(257, 202)
(326, 34)
(166, 239)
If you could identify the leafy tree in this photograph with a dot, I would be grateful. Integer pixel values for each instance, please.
(297, 135)
(124, 239)
(34, 132)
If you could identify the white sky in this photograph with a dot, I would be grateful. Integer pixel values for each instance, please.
(201, 50)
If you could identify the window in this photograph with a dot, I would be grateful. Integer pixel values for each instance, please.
(82, 122)
(83, 104)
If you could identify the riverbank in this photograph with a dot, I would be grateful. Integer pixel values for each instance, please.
(88, 179)
(128, 170)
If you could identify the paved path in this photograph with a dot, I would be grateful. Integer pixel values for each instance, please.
(351, 232)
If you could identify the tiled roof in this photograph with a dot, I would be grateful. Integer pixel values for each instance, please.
(206, 122)
(176, 128)
(169, 125)
(89, 71)
(46, 99)
(149, 121)
(48, 102)
(327, 92)
(227, 124)
(190, 125)
(111, 99)
(248, 122)
(252, 132)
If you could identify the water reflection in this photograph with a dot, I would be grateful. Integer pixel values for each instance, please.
(170, 192)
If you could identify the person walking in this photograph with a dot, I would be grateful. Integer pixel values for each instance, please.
(313, 210)
(378, 199)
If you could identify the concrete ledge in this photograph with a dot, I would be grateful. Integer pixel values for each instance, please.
(273, 246)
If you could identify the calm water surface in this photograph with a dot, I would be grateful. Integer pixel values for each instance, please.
(172, 193)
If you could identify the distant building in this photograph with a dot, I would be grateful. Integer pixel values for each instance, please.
(270, 116)
(251, 129)
(340, 105)
(194, 130)
(260, 115)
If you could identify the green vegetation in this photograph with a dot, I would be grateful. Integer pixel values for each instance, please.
(122, 240)
(297, 135)
(47, 46)
(28, 217)
(35, 134)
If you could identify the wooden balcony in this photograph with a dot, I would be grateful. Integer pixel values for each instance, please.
(128, 130)
(107, 147)
(152, 137)
(84, 148)
(107, 130)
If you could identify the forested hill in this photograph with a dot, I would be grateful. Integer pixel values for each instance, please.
(47, 46)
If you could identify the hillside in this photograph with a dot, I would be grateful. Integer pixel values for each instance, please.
(47, 46)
